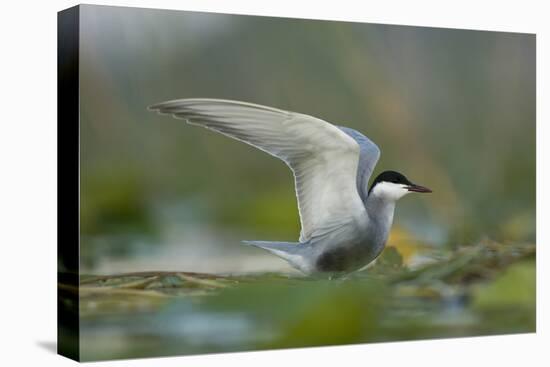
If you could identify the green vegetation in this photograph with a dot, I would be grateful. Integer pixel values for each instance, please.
(484, 289)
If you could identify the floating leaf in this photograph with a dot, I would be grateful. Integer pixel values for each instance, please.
(516, 287)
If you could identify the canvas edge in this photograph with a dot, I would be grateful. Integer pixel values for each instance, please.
(68, 185)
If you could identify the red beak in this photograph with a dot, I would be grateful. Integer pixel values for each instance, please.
(418, 188)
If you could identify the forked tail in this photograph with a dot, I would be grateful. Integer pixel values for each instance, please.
(293, 252)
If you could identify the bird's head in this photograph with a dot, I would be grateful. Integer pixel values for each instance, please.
(393, 185)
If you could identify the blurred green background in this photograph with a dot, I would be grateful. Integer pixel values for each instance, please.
(452, 109)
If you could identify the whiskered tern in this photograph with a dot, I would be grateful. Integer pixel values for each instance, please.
(344, 223)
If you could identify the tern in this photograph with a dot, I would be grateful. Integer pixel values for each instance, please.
(344, 223)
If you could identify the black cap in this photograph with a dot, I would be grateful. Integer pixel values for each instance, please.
(391, 176)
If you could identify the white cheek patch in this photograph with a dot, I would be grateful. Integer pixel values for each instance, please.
(390, 190)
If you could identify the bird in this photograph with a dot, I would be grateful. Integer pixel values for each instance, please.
(345, 223)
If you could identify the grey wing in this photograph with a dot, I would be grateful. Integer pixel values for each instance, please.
(323, 158)
(369, 153)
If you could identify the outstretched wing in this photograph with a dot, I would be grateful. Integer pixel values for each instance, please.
(368, 156)
(323, 158)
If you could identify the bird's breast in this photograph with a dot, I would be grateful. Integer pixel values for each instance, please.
(352, 249)
(346, 257)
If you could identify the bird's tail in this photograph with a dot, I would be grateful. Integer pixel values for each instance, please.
(292, 252)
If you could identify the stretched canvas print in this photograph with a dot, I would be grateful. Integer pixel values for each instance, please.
(237, 183)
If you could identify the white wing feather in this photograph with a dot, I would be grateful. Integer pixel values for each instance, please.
(323, 158)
